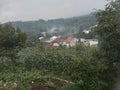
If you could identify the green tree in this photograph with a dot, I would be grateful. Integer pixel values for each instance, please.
(108, 34)
(108, 31)
(10, 39)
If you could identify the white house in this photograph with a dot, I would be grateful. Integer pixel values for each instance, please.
(43, 33)
(53, 38)
(40, 38)
(93, 42)
(86, 31)
(90, 42)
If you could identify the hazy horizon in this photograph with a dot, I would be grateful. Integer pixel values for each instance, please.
(27, 10)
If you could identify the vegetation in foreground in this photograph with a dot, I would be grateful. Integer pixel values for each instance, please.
(34, 65)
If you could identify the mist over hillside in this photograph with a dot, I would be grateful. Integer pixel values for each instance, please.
(60, 26)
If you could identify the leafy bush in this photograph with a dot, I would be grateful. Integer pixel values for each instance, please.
(85, 67)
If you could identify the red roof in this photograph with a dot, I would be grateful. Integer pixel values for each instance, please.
(68, 40)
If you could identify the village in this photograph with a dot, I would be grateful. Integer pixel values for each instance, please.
(68, 41)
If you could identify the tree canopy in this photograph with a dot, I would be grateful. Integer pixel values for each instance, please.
(10, 38)
(108, 31)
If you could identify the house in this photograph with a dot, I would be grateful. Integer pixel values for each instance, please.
(40, 38)
(57, 42)
(43, 33)
(70, 42)
(90, 42)
(53, 41)
(86, 31)
(53, 38)
(82, 39)
(93, 42)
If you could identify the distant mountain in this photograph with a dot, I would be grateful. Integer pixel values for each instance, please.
(57, 25)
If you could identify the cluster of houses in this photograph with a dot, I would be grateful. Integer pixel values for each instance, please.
(70, 41)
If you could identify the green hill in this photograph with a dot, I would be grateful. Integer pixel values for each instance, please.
(57, 25)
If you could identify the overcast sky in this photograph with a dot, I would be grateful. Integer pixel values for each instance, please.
(12, 10)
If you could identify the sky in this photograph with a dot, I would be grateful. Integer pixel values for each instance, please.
(24, 10)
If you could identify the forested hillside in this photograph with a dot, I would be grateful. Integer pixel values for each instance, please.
(57, 25)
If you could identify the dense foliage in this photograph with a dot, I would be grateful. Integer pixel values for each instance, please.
(108, 31)
(80, 67)
(11, 39)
